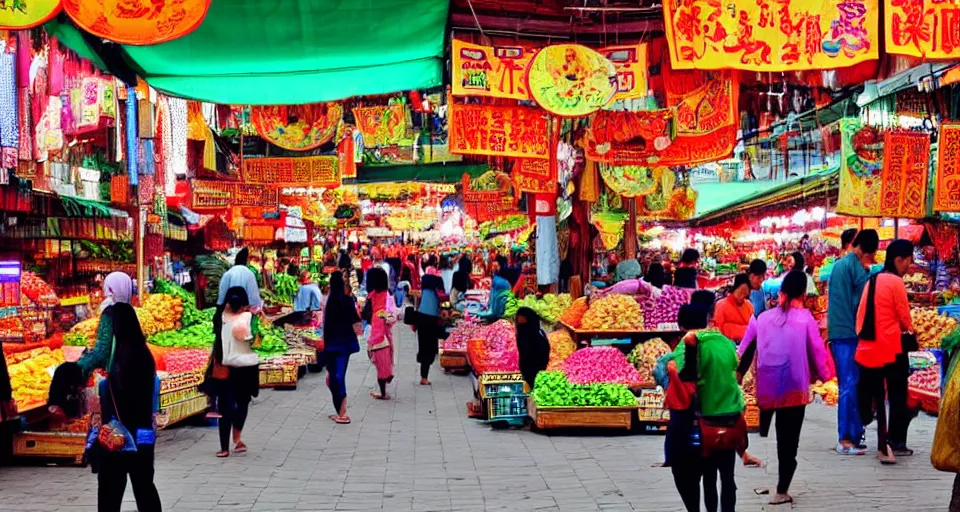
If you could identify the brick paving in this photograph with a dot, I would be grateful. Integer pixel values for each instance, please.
(420, 452)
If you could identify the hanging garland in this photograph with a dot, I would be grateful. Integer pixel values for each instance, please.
(297, 127)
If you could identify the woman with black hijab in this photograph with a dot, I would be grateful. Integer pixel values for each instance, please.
(128, 396)
(341, 325)
(532, 345)
(655, 274)
(461, 279)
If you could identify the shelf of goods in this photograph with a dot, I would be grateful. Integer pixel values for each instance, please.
(622, 316)
(180, 397)
(503, 398)
(924, 382)
(280, 372)
(453, 350)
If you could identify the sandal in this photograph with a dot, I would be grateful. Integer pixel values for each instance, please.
(223, 454)
(887, 458)
(379, 397)
(240, 448)
(342, 420)
(424, 382)
(781, 499)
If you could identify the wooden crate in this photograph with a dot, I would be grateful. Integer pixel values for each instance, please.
(453, 360)
(582, 417)
(50, 445)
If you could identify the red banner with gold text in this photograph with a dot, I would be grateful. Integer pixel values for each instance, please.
(903, 182)
(947, 189)
(498, 131)
(928, 29)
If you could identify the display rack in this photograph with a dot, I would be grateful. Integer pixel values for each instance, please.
(582, 417)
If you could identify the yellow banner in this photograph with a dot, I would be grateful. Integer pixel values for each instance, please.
(631, 63)
(928, 29)
(18, 15)
(860, 170)
(768, 35)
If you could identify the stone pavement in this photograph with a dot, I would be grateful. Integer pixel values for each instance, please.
(420, 452)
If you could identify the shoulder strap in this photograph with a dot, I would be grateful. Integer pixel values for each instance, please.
(868, 331)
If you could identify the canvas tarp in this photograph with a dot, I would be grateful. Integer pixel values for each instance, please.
(292, 51)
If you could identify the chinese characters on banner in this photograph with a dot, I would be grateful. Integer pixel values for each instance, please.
(498, 131)
(947, 193)
(771, 35)
(859, 171)
(500, 71)
(906, 162)
(922, 28)
(316, 171)
(484, 205)
(215, 195)
(535, 176)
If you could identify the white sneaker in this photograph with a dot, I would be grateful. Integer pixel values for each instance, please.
(853, 450)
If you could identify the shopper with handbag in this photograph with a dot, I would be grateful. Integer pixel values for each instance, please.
(341, 326)
(128, 405)
(236, 367)
(714, 420)
(787, 343)
(379, 311)
(882, 320)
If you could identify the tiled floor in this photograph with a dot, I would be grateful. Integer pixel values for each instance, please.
(420, 452)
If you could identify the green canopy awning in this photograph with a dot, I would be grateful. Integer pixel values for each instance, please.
(291, 52)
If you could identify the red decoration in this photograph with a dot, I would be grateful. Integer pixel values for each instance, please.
(140, 22)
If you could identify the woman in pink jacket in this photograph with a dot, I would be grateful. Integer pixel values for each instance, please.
(787, 343)
(380, 311)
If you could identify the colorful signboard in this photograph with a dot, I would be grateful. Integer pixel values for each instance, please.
(947, 190)
(903, 183)
(316, 171)
(571, 80)
(860, 169)
(929, 29)
(498, 131)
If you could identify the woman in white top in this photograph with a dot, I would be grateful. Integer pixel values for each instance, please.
(233, 350)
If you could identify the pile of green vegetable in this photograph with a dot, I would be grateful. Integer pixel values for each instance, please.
(271, 342)
(191, 315)
(75, 339)
(552, 389)
(199, 335)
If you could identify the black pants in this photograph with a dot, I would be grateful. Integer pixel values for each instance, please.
(233, 405)
(112, 480)
(689, 467)
(789, 421)
(428, 342)
(722, 463)
(876, 386)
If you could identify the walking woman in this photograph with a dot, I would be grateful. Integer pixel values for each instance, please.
(882, 319)
(379, 312)
(428, 324)
(117, 289)
(233, 352)
(341, 325)
(787, 343)
(533, 346)
(127, 395)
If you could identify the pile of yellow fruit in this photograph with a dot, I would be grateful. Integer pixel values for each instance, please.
(561, 346)
(614, 312)
(931, 327)
(828, 391)
(160, 312)
(29, 375)
(87, 328)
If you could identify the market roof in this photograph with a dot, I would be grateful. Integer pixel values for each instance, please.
(250, 52)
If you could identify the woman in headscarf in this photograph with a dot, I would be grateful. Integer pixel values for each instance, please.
(341, 325)
(461, 279)
(379, 312)
(128, 395)
(532, 345)
(428, 324)
(117, 289)
(233, 350)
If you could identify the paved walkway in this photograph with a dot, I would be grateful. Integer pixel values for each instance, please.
(420, 452)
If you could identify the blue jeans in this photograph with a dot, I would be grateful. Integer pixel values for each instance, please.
(849, 427)
(337, 376)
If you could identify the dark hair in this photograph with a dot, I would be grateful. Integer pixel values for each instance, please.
(533, 321)
(133, 368)
(846, 238)
(461, 278)
(741, 280)
(690, 256)
(237, 298)
(377, 280)
(798, 260)
(898, 248)
(692, 316)
(293, 270)
(502, 260)
(655, 275)
(794, 286)
(242, 256)
(868, 241)
(758, 267)
(704, 298)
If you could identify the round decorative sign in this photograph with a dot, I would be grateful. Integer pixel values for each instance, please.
(22, 14)
(297, 127)
(137, 22)
(631, 180)
(570, 80)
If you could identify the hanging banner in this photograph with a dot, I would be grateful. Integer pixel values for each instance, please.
(631, 64)
(906, 163)
(491, 71)
(498, 131)
(928, 29)
(138, 23)
(768, 35)
(297, 127)
(700, 128)
(216, 195)
(947, 186)
(315, 171)
(484, 205)
(860, 169)
(632, 180)
(19, 14)
(535, 176)
(382, 126)
(570, 80)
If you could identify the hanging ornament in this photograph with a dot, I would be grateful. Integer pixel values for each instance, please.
(138, 22)
(297, 127)
(570, 80)
(23, 14)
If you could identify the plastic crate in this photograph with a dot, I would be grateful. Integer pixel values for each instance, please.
(506, 407)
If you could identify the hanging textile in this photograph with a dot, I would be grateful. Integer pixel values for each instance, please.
(498, 131)
(589, 188)
(922, 28)
(176, 158)
(197, 129)
(906, 163)
(947, 185)
(768, 36)
(9, 127)
(548, 251)
(535, 176)
(298, 127)
(571, 80)
(135, 24)
(860, 170)
(133, 153)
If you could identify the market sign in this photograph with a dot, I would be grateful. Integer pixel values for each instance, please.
(571, 80)
(484, 205)
(903, 185)
(947, 186)
(928, 29)
(498, 131)
(297, 127)
(860, 169)
(535, 176)
(492, 71)
(382, 126)
(770, 36)
(217, 195)
(22, 14)
(137, 23)
(315, 171)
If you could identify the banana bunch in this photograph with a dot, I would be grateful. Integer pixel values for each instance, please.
(29, 375)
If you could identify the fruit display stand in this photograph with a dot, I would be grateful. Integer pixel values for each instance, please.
(280, 372)
(454, 361)
(180, 397)
(581, 417)
(584, 337)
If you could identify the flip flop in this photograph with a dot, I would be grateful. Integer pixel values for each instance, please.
(781, 501)
(223, 454)
(379, 397)
(340, 420)
(752, 463)
(240, 448)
